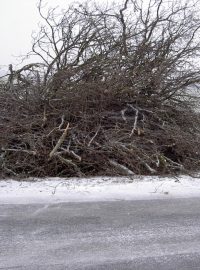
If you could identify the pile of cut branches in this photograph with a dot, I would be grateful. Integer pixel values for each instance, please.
(110, 97)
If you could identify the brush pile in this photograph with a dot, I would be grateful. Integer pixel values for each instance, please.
(110, 97)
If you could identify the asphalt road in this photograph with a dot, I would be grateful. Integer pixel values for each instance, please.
(141, 235)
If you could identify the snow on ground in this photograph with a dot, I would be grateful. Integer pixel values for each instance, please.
(55, 190)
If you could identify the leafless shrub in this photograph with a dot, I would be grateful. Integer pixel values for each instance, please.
(110, 94)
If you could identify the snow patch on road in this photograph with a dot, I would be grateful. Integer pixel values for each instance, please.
(56, 190)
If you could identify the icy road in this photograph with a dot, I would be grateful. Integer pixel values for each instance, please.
(134, 234)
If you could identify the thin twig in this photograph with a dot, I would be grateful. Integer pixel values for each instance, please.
(19, 150)
(123, 114)
(94, 136)
(62, 122)
(136, 119)
(121, 167)
(60, 141)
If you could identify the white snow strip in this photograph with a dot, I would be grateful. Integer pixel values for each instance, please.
(55, 190)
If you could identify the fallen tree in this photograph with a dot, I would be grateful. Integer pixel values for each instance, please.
(109, 96)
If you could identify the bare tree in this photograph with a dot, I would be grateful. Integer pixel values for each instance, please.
(153, 47)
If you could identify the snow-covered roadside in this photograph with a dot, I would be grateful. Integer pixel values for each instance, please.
(55, 190)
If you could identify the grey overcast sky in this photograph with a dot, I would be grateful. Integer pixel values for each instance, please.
(18, 19)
